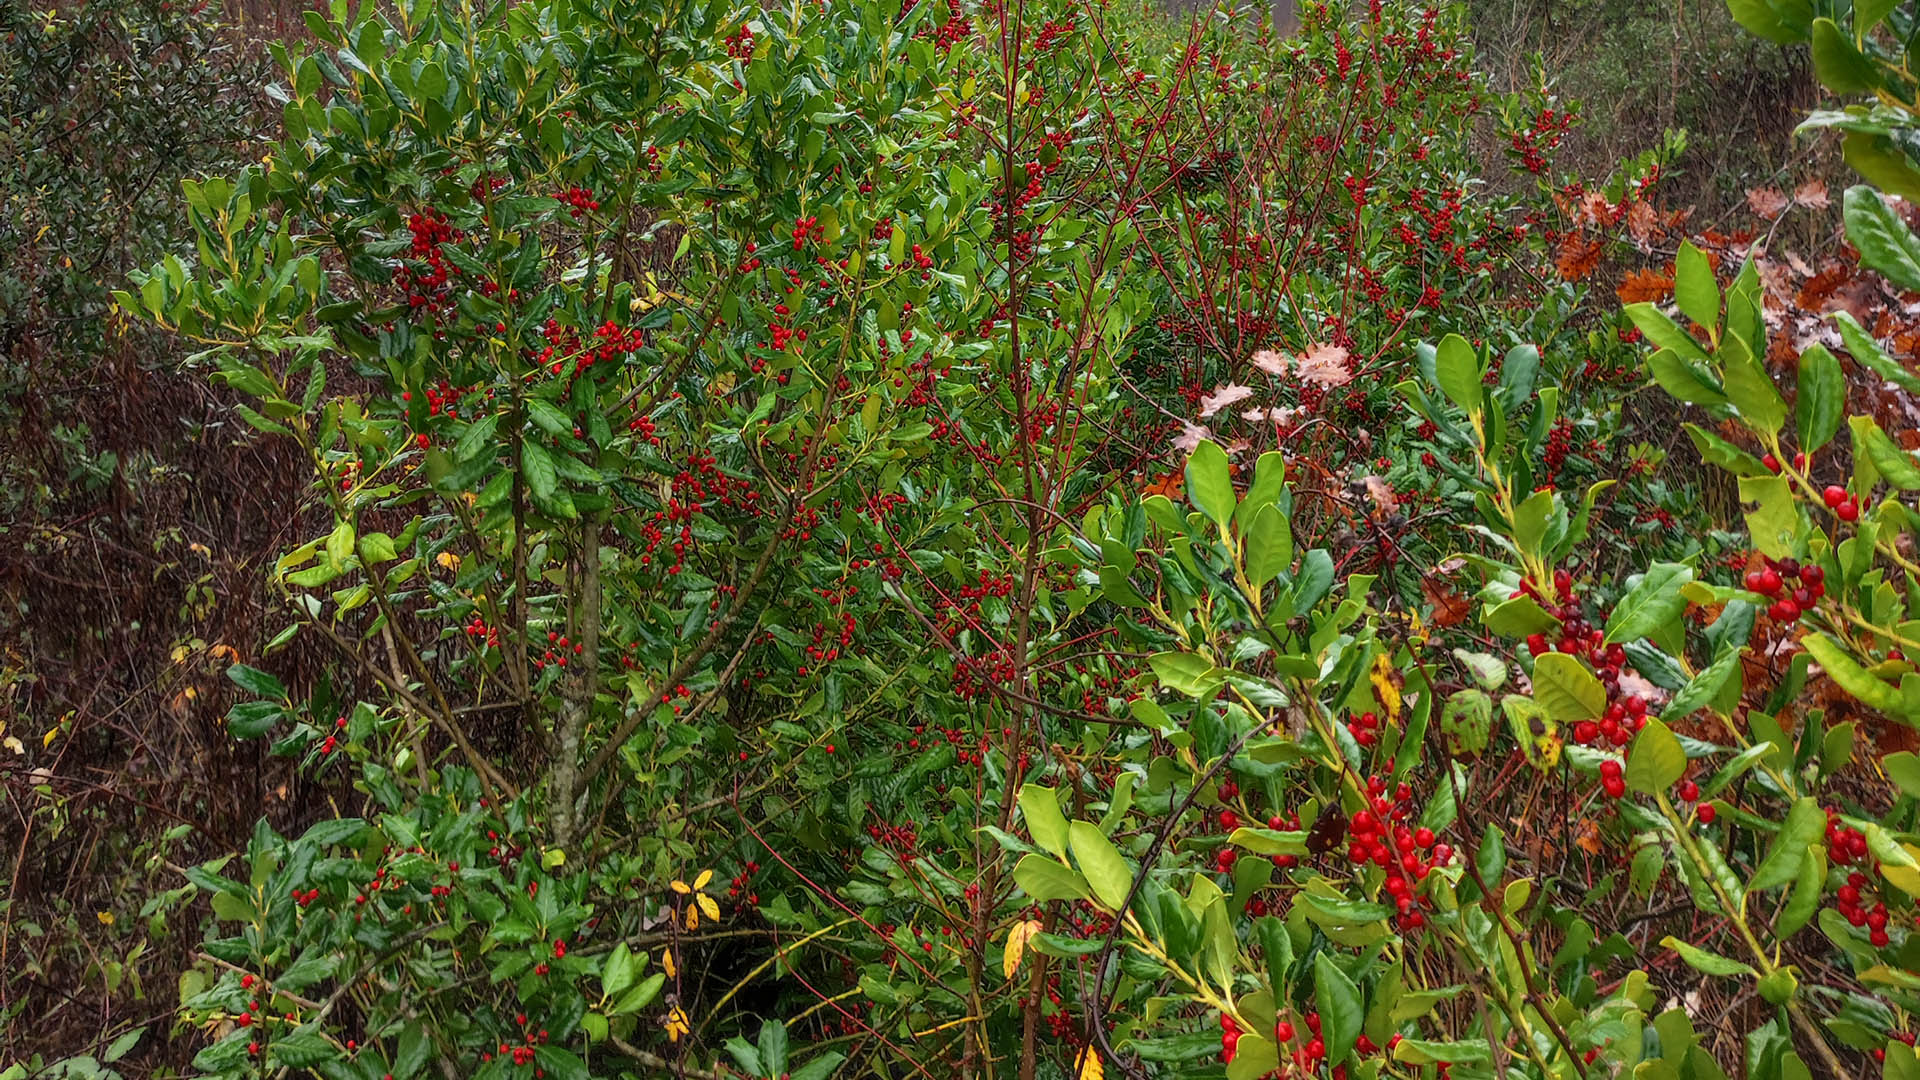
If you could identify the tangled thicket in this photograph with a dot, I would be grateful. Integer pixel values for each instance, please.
(886, 539)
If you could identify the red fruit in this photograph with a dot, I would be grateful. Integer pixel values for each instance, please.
(1537, 644)
(1769, 582)
(1614, 787)
(1423, 838)
(1283, 1032)
(1229, 820)
(1689, 791)
(1848, 511)
(1834, 495)
(1772, 463)
(1706, 814)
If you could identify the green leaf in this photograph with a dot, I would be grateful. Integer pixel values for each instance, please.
(1821, 400)
(1809, 889)
(1851, 677)
(1750, 389)
(820, 1068)
(1759, 17)
(619, 971)
(560, 1064)
(1707, 963)
(1897, 466)
(1773, 521)
(536, 465)
(412, 1051)
(1567, 690)
(1651, 603)
(1663, 333)
(1705, 687)
(1210, 484)
(301, 1049)
(773, 1046)
(1865, 350)
(1341, 1010)
(1694, 289)
(1656, 760)
(1254, 1056)
(1045, 823)
(1715, 450)
(1457, 369)
(1269, 841)
(1802, 828)
(1105, 869)
(1269, 542)
(1883, 240)
(257, 682)
(1684, 380)
(1188, 673)
(1044, 880)
(1530, 521)
(1841, 66)
(1903, 768)
(640, 996)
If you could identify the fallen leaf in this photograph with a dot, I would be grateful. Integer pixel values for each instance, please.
(1769, 203)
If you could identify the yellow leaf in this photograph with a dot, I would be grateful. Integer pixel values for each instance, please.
(47, 739)
(668, 965)
(709, 907)
(448, 560)
(677, 1024)
(701, 881)
(693, 918)
(1017, 939)
(1089, 1066)
(680, 887)
(105, 917)
(1385, 688)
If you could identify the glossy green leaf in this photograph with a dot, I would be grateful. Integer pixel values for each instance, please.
(1650, 603)
(1821, 400)
(1656, 760)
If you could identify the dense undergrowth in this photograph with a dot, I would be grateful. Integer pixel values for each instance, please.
(957, 540)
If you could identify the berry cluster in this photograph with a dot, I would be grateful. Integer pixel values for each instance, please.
(1378, 834)
(578, 200)
(1771, 580)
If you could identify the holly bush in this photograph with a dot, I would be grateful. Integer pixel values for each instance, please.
(882, 539)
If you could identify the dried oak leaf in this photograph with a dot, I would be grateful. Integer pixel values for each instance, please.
(1768, 202)
(1645, 285)
(1577, 258)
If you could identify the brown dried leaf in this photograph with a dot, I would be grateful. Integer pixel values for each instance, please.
(1578, 257)
(1812, 194)
(1645, 285)
(1768, 202)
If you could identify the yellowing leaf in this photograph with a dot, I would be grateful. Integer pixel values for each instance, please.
(693, 918)
(448, 560)
(1089, 1067)
(1385, 688)
(680, 887)
(676, 1024)
(701, 881)
(47, 739)
(709, 907)
(1017, 939)
(105, 917)
(668, 964)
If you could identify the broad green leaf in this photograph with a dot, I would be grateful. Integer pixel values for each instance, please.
(1685, 380)
(1342, 1011)
(1210, 483)
(1651, 603)
(1705, 687)
(257, 682)
(1847, 673)
(1045, 823)
(1821, 400)
(619, 972)
(1044, 880)
(1897, 466)
(1663, 333)
(1457, 368)
(1105, 869)
(1269, 545)
(1803, 826)
(1839, 64)
(1883, 240)
(1865, 350)
(536, 465)
(1694, 289)
(1718, 451)
(1189, 673)
(1773, 520)
(1566, 689)
(1656, 760)
(1750, 389)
